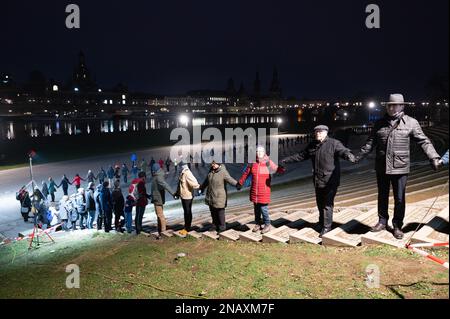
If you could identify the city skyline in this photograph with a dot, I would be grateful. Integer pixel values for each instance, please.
(318, 53)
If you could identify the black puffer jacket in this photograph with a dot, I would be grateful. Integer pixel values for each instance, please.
(325, 160)
(393, 150)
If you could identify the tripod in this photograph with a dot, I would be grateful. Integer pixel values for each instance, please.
(34, 238)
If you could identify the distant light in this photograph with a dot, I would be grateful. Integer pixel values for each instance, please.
(184, 119)
(55, 88)
(279, 120)
(123, 97)
(110, 101)
(76, 89)
(372, 105)
(100, 90)
(345, 114)
(10, 111)
(7, 76)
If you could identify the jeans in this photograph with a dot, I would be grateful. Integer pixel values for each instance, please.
(262, 209)
(90, 219)
(129, 221)
(398, 183)
(140, 210)
(187, 208)
(83, 218)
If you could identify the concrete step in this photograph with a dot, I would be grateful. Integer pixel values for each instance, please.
(436, 230)
(349, 234)
(413, 217)
(278, 235)
(305, 235)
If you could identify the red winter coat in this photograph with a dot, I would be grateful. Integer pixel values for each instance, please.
(77, 181)
(143, 197)
(260, 188)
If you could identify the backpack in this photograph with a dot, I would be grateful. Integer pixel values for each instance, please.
(133, 190)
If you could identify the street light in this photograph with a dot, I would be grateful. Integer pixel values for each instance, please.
(31, 155)
(184, 119)
(372, 105)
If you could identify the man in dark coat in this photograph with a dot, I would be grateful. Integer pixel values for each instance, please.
(106, 205)
(391, 138)
(118, 205)
(65, 184)
(324, 153)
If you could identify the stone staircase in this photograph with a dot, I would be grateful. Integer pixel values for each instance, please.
(295, 217)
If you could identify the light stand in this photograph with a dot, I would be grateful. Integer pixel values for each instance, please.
(34, 238)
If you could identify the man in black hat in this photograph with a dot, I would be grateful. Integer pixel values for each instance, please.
(324, 153)
(391, 138)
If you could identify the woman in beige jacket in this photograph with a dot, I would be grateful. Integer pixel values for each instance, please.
(187, 183)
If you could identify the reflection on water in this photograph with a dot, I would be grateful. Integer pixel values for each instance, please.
(11, 130)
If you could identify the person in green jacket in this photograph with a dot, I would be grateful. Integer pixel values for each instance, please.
(158, 193)
(216, 193)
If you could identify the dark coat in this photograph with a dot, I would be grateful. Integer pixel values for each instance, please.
(105, 200)
(159, 188)
(118, 201)
(325, 161)
(393, 150)
(216, 184)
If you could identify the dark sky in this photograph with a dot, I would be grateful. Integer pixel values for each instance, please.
(322, 48)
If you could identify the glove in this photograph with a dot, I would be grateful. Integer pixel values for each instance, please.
(436, 164)
(281, 169)
(238, 186)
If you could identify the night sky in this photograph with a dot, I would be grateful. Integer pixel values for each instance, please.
(322, 49)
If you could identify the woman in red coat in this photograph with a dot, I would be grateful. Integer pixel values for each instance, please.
(260, 189)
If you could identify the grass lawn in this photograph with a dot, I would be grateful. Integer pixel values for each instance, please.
(129, 266)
